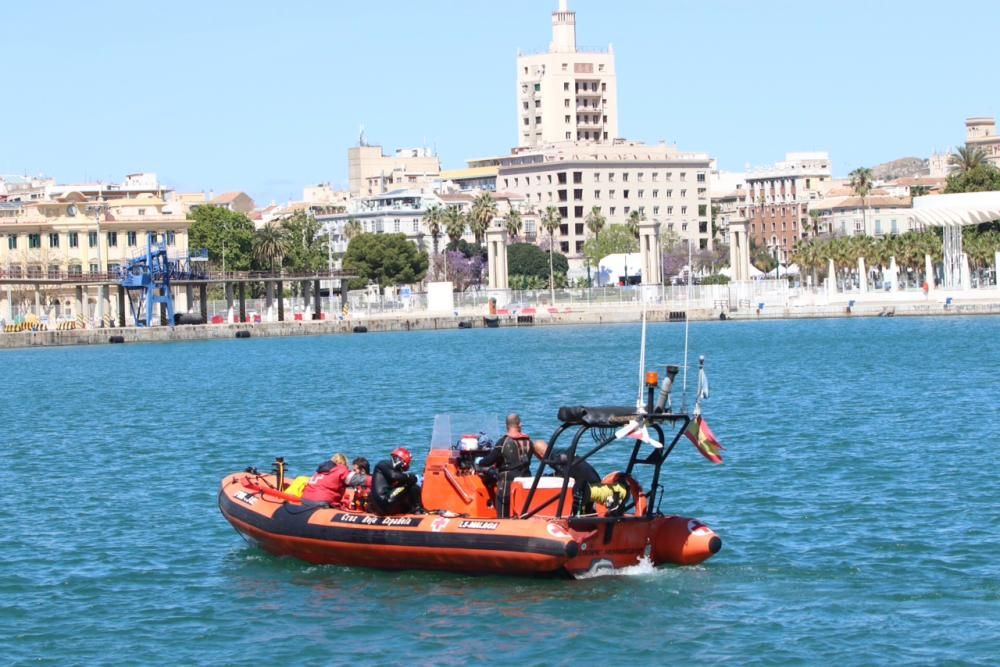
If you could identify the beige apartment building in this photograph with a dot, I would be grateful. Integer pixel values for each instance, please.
(661, 183)
(565, 94)
(71, 236)
(371, 172)
(981, 131)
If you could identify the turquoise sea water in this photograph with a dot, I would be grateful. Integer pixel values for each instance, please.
(858, 503)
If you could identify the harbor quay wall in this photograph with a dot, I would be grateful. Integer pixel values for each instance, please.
(429, 322)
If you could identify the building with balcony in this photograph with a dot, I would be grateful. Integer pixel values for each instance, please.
(617, 178)
(981, 132)
(372, 172)
(777, 200)
(566, 94)
(134, 185)
(24, 188)
(879, 215)
(74, 237)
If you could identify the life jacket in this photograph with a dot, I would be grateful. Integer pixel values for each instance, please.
(356, 498)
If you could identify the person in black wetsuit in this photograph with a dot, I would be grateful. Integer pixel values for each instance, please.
(395, 491)
(588, 487)
(512, 458)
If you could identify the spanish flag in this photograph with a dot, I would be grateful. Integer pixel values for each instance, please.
(704, 440)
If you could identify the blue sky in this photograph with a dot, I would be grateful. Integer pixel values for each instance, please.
(267, 96)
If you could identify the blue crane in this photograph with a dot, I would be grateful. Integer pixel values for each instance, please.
(150, 275)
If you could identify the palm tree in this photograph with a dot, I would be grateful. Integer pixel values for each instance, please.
(434, 218)
(454, 223)
(484, 209)
(806, 254)
(595, 221)
(269, 245)
(966, 158)
(514, 223)
(551, 221)
(634, 218)
(352, 229)
(814, 218)
(861, 183)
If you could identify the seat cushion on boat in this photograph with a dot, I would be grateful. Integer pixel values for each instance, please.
(605, 415)
(543, 483)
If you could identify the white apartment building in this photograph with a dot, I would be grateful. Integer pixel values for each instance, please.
(565, 94)
(371, 172)
(661, 183)
(881, 215)
(24, 188)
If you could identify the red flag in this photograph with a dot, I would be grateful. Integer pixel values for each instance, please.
(704, 440)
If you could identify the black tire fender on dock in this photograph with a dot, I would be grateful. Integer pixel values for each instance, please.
(116, 339)
(360, 329)
(242, 334)
(465, 325)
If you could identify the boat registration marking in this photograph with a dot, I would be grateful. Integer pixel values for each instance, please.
(246, 497)
(479, 525)
(369, 520)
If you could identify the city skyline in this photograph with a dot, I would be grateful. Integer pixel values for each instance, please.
(267, 100)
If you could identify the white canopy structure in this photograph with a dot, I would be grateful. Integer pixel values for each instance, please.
(952, 212)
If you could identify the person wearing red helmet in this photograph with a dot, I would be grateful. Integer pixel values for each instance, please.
(394, 490)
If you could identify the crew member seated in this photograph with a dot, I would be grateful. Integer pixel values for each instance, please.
(512, 458)
(359, 486)
(587, 485)
(395, 491)
(326, 487)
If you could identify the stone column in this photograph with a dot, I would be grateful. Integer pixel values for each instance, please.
(496, 250)
(966, 274)
(38, 301)
(305, 297)
(121, 307)
(281, 301)
(649, 251)
(862, 275)
(99, 312)
(228, 288)
(78, 302)
(317, 301)
(243, 301)
(739, 251)
(929, 272)
(10, 304)
(189, 295)
(203, 301)
(831, 278)
(269, 287)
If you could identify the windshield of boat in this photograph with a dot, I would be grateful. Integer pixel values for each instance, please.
(450, 427)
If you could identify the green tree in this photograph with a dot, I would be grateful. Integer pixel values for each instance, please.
(967, 158)
(269, 246)
(919, 190)
(514, 224)
(306, 248)
(484, 209)
(527, 259)
(861, 183)
(226, 234)
(617, 239)
(388, 259)
(551, 222)
(595, 221)
(454, 223)
(981, 178)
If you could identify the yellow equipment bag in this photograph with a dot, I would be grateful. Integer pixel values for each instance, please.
(298, 486)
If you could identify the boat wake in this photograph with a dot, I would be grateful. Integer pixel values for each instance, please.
(643, 566)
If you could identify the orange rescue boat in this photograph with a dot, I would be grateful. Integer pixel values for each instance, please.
(547, 533)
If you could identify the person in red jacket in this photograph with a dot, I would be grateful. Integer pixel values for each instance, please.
(327, 486)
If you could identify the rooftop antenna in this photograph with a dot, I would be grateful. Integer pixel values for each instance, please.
(361, 135)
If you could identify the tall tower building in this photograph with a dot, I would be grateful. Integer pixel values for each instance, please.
(565, 94)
